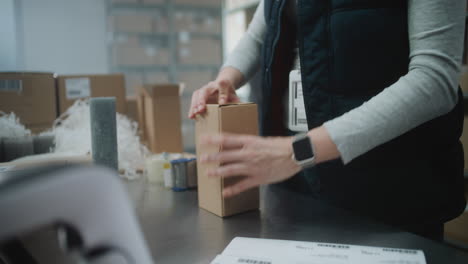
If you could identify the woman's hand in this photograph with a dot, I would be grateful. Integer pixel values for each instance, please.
(260, 160)
(220, 91)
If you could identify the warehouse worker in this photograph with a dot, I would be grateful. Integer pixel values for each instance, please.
(380, 85)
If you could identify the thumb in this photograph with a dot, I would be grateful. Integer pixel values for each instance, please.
(223, 92)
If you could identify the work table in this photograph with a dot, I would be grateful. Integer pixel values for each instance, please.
(177, 231)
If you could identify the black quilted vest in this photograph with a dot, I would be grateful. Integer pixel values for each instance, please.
(350, 50)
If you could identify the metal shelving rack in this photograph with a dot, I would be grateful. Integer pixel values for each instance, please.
(170, 40)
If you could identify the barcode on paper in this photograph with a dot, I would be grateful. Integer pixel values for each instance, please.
(252, 261)
(15, 86)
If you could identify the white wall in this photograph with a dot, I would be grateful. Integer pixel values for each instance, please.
(63, 36)
(8, 43)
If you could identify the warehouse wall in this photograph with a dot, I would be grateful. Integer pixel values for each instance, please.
(8, 45)
(64, 36)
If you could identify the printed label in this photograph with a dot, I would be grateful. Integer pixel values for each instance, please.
(14, 86)
(77, 88)
(297, 113)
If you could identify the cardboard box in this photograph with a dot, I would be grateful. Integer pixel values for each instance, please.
(132, 23)
(464, 140)
(194, 22)
(200, 51)
(233, 118)
(194, 80)
(207, 3)
(73, 87)
(131, 54)
(162, 125)
(457, 229)
(31, 96)
(132, 108)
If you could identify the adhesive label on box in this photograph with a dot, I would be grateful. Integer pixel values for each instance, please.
(297, 120)
(76, 88)
(14, 86)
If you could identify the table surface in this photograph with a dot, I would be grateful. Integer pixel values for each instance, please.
(178, 231)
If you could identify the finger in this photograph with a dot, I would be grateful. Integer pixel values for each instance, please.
(225, 157)
(227, 171)
(191, 114)
(223, 92)
(204, 96)
(227, 141)
(239, 187)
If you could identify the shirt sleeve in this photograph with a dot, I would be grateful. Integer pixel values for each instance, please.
(246, 55)
(429, 90)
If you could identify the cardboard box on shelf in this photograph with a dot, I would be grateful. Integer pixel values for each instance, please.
(73, 87)
(194, 80)
(129, 54)
(199, 23)
(140, 23)
(208, 3)
(156, 77)
(233, 118)
(150, 2)
(200, 51)
(31, 96)
(161, 115)
(124, 1)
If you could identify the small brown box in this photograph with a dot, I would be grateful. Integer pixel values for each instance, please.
(74, 87)
(31, 96)
(161, 117)
(232, 118)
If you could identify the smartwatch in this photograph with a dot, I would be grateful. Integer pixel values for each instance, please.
(303, 151)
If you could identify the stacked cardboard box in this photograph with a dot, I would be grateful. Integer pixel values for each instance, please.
(31, 96)
(205, 51)
(73, 87)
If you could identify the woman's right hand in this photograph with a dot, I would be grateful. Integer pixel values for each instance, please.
(220, 91)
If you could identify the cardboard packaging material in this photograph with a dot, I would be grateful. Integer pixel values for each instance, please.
(233, 118)
(132, 108)
(74, 87)
(464, 80)
(31, 96)
(161, 117)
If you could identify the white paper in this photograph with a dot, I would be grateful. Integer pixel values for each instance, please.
(297, 114)
(76, 88)
(266, 251)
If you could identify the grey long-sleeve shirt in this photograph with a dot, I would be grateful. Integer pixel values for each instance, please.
(429, 90)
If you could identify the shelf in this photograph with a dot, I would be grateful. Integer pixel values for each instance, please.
(141, 68)
(187, 67)
(160, 35)
(126, 7)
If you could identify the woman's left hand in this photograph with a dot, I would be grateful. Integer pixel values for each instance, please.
(260, 160)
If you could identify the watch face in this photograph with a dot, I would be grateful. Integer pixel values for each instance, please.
(302, 149)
